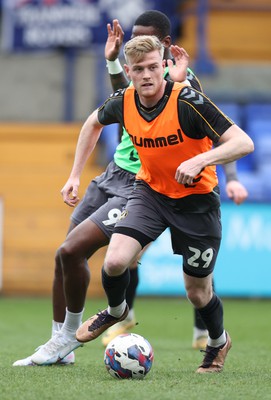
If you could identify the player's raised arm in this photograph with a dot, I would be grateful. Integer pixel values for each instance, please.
(114, 41)
(112, 48)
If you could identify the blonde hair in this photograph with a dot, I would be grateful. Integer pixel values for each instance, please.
(137, 47)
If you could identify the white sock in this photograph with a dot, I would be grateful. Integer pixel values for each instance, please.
(56, 326)
(117, 311)
(219, 341)
(72, 322)
(199, 333)
(131, 315)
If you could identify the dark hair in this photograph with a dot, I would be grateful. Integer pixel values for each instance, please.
(158, 20)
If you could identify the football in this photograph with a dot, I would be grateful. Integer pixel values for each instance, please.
(128, 356)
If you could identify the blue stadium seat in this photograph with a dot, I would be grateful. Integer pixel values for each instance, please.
(235, 112)
(246, 164)
(262, 152)
(254, 169)
(257, 111)
(232, 110)
(257, 117)
(260, 132)
(255, 128)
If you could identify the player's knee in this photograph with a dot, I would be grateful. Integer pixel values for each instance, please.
(113, 265)
(64, 253)
(195, 296)
(58, 268)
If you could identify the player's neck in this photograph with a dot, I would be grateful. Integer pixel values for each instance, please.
(150, 102)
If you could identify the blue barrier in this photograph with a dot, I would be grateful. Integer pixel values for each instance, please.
(243, 265)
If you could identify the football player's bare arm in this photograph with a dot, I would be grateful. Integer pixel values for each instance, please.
(119, 81)
(112, 48)
(88, 137)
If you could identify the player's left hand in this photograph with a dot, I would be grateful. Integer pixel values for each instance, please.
(188, 170)
(178, 71)
(236, 191)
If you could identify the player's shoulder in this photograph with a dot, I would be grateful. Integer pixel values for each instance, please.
(193, 79)
(113, 100)
(192, 97)
(117, 93)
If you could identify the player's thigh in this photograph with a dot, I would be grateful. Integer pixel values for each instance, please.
(121, 252)
(143, 217)
(136, 262)
(84, 240)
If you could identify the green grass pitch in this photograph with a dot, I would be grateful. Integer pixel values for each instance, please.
(167, 323)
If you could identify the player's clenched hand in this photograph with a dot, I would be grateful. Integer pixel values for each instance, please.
(188, 170)
(114, 41)
(236, 191)
(69, 192)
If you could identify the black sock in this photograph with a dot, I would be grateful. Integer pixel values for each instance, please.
(212, 316)
(198, 322)
(131, 289)
(115, 287)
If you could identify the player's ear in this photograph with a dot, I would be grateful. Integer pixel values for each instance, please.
(166, 41)
(127, 70)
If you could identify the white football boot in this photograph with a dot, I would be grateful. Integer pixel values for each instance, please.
(55, 350)
(27, 362)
